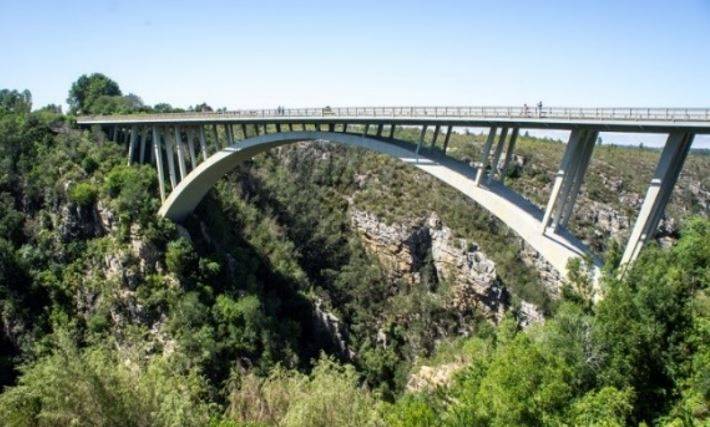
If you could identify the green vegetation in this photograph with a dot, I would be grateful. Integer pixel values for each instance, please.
(635, 356)
(110, 316)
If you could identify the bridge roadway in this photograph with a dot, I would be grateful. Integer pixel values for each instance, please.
(178, 134)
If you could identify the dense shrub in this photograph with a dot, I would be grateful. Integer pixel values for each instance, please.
(94, 387)
(83, 194)
(330, 396)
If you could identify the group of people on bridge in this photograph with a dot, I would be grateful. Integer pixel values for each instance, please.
(538, 109)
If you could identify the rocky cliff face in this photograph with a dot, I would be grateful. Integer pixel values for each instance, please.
(331, 326)
(550, 278)
(400, 248)
(473, 283)
(122, 264)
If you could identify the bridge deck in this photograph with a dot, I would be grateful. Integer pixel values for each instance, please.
(659, 120)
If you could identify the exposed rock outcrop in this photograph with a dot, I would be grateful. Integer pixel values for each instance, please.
(475, 282)
(529, 314)
(432, 377)
(329, 324)
(402, 249)
(550, 278)
(604, 221)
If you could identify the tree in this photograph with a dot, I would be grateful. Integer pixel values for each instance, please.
(163, 107)
(87, 89)
(204, 107)
(12, 101)
(606, 407)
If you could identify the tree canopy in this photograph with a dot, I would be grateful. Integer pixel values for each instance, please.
(88, 89)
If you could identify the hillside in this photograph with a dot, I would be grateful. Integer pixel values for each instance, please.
(320, 285)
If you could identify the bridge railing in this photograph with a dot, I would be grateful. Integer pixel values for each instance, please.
(487, 112)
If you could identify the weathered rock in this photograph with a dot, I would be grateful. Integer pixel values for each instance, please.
(145, 252)
(529, 314)
(78, 222)
(327, 323)
(429, 378)
(475, 282)
(605, 220)
(701, 195)
(107, 218)
(402, 249)
(550, 278)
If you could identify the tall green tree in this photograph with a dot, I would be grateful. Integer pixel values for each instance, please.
(87, 89)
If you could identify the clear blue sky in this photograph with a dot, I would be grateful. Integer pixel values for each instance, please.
(266, 53)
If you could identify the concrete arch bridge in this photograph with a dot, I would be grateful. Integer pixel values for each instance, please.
(192, 151)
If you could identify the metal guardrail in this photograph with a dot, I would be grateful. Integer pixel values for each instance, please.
(519, 112)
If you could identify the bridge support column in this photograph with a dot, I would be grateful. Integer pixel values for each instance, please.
(132, 144)
(228, 133)
(180, 154)
(561, 186)
(485, 155)
(436, 135)
(144, 142)
(367, 129)
(243, 127)
(509, 152)
(215, 135)
(497, 154)
(446, 139)
(114, 135)
(159, 162)
(422, 134)
(659, 191)
(573, 180)
(152, 151)
(345, 128)
(278, 127)
(170, 153)
(582, 164)
(331, 127)
(379, 130)
(391, 135)
(203, 143)
(190, 134)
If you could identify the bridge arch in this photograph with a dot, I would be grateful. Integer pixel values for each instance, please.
(190, 190)
(517, 213)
